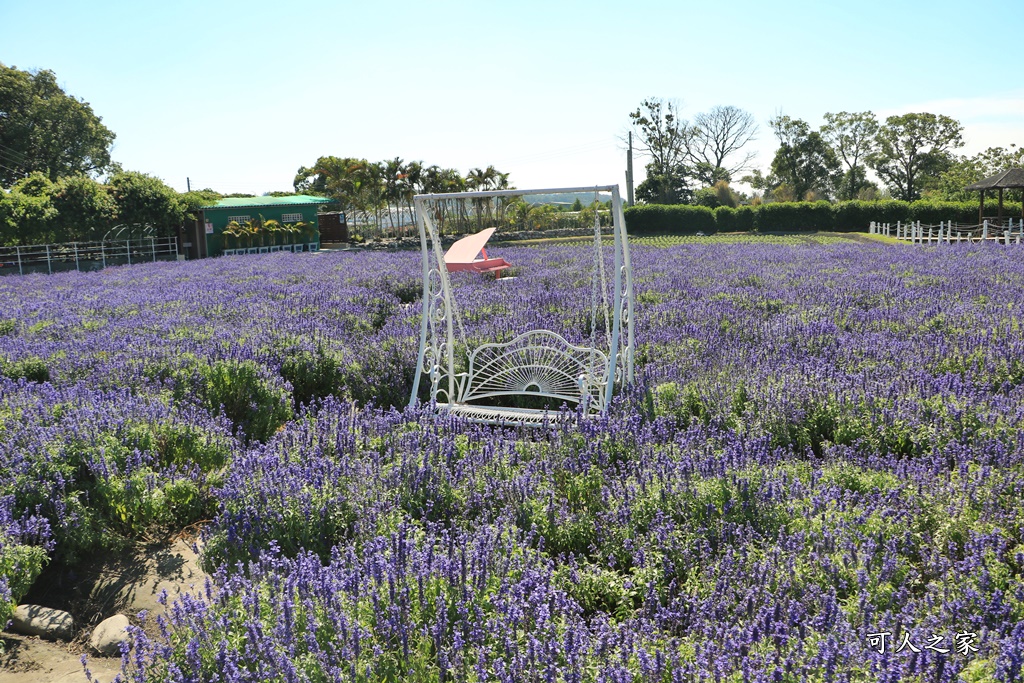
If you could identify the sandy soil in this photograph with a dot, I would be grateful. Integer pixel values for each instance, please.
(127, 584)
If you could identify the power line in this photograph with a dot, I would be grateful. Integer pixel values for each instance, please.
(8, 168)
(11, 160)
(16, 157)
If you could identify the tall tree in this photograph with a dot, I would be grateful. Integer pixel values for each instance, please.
(144, 200)
(44, 129)
(913, 150)
(715, 139)
(966, 170)
(804, 163)
(664, 138)
(85, 208)
(852, 138)
(27, 215)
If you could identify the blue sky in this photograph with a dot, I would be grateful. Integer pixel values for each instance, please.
(238, 95)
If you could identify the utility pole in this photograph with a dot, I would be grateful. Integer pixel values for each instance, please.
(629, 172)
(188, 183)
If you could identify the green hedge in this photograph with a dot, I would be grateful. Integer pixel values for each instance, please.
(788, 216)
(853, 216)
(678, 219)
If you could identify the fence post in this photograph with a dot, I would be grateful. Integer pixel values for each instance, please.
(152, 245)
(103, 255)
(49, 263)
(128, 249)
(17, 250)
(898, 230)
(75, 245)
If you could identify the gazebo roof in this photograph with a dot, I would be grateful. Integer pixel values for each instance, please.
(1011, 178)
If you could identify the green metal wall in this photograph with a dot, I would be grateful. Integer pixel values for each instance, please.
(217, 242)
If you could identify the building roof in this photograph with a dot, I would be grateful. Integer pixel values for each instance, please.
(1011, 178)
(260, 202)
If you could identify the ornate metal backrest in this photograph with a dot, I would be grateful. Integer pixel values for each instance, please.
(509, 371)
(536, 363)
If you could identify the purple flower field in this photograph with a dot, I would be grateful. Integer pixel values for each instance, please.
(818, 476)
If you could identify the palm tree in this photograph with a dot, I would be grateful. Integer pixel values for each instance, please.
(392, 179)
(271, 227)
(252, 230)
(235, 230)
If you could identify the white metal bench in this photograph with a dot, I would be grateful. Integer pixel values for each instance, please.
(537, 363)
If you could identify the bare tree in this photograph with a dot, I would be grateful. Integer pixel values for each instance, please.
(716, 136)
(852, 138)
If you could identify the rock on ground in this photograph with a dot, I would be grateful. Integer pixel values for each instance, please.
(45, 622)
(107, 637)
(129, 585)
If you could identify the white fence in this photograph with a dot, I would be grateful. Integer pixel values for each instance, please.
(82, 256)
(952, 233)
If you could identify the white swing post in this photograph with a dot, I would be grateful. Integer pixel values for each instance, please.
(537, 363)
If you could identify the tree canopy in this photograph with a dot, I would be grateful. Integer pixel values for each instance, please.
(912, 149)
(852, 138)
(683, 155)
(381, 191)
(804, 164)
(45, 130)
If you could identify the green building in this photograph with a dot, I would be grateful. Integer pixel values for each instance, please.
(297, 214)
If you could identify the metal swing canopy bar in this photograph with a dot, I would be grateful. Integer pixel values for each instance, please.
(1010, 179)
(537, 363)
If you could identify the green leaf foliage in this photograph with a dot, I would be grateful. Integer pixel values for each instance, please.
(46, 130)
(678, 219)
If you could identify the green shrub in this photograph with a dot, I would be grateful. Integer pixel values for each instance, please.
(313, 374)
(725, 219)
(852, 216)
(744, 218)
(888, 211)
(32, 369)
(932, 213)
(707, 197)
(855, 216)
(7, 327)
(676, 219)
(243, 392)
(20, 565)
(183, 444)
(789, 216)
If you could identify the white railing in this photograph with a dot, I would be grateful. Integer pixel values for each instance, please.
(53, 258)
(949, 232)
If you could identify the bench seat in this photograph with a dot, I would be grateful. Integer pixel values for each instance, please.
(504, 416)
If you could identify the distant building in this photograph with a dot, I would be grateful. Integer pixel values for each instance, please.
(205, 236)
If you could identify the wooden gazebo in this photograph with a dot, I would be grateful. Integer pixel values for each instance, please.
(1010, 179)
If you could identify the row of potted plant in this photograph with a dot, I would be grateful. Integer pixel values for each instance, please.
(267, 233)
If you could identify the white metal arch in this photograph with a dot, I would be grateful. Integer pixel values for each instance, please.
(538, 362)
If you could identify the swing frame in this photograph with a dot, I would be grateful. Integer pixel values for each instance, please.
(538, 362)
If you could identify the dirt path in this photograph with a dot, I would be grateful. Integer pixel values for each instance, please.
(31, 660)
(127, 584)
